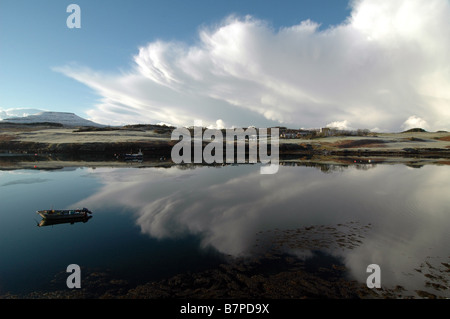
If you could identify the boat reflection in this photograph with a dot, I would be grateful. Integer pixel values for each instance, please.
(50, 222)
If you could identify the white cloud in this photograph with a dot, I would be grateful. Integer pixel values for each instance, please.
(388, 60)
(340, 125)
(414, 122)
(219, 125)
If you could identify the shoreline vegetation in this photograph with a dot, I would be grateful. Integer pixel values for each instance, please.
(52, 145)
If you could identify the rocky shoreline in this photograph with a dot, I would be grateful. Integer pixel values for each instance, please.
(268, 274)
(156, 149)
(270, 277)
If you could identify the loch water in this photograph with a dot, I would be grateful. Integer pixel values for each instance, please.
(155, 222)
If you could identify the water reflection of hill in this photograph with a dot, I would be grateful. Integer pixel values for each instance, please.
(329, 168)
(324, 164)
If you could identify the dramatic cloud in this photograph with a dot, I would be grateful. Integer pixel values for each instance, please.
(388, 61)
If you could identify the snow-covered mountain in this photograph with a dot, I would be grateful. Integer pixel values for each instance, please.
(17, 112)
(64, 118)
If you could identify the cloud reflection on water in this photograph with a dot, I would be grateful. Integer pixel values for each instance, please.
(227, 207)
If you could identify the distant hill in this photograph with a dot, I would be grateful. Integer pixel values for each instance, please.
(18, 112)
(64, 118)
(416, 129)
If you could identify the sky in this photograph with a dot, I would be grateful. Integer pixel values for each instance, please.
(382, 65)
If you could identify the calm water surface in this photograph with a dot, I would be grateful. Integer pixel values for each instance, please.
(152, 223)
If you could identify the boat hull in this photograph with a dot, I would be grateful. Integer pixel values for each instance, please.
(51, 222)
(63, 214)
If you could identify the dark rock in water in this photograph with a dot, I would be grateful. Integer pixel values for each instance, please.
(424, 294)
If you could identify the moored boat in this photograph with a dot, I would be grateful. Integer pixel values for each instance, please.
(132, 156)
(65, 214)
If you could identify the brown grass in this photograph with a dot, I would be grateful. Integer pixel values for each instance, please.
(445, 138)
(358, 144)
(6, 138)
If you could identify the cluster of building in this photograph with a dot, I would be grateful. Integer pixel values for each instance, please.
(322, 132)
